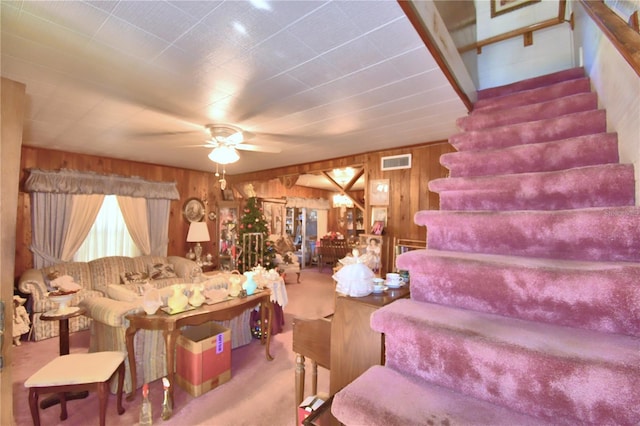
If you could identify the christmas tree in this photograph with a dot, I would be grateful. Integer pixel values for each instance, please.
(253, 237)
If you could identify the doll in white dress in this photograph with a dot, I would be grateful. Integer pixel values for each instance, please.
(21, 321)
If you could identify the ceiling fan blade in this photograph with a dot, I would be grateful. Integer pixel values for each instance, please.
(235, 139)
(168, 133)
(258, 148)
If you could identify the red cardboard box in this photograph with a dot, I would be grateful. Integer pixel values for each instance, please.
(203, 358)
(308, 406)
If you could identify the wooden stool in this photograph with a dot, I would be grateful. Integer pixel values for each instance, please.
(74, 373)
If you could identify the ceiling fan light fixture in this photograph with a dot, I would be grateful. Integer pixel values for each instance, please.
(224, 155)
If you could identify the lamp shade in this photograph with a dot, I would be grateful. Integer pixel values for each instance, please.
(224, 154)
(198, 231)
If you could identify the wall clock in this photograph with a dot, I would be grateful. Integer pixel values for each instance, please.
(193, 210)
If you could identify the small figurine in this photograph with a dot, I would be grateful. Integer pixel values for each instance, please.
(21, 321)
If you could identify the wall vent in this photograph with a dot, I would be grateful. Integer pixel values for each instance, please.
(395, 162)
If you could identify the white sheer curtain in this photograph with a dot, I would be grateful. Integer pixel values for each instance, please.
(84, 211)
(108, 236)
(134, 212)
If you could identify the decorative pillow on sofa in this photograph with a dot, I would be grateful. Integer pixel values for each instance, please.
(158, 271)
(133, 277)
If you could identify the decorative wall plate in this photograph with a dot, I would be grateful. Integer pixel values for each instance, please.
(193, 210)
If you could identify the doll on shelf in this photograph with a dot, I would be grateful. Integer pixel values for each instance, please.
(21, 321)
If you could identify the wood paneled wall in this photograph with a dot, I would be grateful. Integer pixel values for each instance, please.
(190, 183)
(408, 187)
(408, 190)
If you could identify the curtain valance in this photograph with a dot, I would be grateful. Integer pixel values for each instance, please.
(75, 182)
(310, 203)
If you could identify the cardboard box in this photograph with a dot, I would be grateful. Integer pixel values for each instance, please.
(203, 358)
(308, 406)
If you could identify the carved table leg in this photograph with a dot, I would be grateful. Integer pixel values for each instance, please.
(170, 340)
(129, 335)
(299, 382)
(266, 331)
(314, 377)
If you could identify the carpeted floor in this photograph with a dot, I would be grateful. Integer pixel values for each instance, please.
(259, 392)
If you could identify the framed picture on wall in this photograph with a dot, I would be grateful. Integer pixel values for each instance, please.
(498, 7)
(378, 220)
(379, 192)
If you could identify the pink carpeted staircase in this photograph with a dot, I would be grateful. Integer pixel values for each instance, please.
(525, 308)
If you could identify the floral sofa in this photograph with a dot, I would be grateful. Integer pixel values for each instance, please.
(95, 277)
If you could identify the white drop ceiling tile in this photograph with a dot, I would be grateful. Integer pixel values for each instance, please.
(76, 16)
(284, 51)
(46, 33)
(277, 88)
(251, 68)
(354, 56)
(315, 72)
(287, 13)
(176, 61)
(159, 18)
(368, 15)
(364, 80)
(105, 5)
(395, 38)
(325, 29)
(125, 37)
(251, 28)
(214, 29)
(414, 62)
(197, 8)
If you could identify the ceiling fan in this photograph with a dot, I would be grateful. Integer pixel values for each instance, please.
(228, 136)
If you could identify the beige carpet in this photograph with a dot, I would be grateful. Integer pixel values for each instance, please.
(259, 392)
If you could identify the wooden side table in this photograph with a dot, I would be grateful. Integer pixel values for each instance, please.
(63, 319)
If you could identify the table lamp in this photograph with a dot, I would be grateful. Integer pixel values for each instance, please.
(198, 232)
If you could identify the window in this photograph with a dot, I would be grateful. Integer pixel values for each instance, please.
(109, 235)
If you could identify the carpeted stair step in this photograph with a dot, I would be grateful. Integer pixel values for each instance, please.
(561, 292)
(531, 83)
(600, 234)
(552, 129)
(384, 397)
(526, 113)
(601, 148)
(532, 96)
(609, 185)
(557, 373)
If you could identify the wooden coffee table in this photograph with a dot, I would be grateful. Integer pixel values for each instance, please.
(170, 326)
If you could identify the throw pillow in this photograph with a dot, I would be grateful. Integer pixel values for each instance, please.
(158, 271)
(133, 277)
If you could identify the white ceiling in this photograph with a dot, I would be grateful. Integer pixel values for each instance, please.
(137, 80)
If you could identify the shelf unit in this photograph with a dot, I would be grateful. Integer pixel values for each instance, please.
(403, 245)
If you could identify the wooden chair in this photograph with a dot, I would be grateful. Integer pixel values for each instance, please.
(74, 373)
(331, 251)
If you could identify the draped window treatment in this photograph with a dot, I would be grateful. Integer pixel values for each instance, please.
(84, 211)
(61, 211)
(134, 211)
(310, 203)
